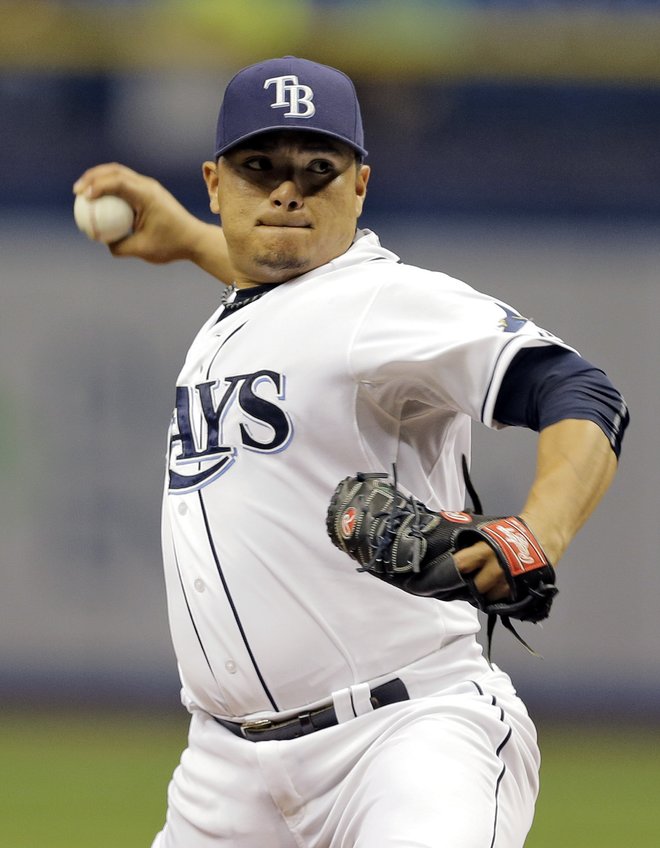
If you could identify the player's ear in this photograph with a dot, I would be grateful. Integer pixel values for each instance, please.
(361, 180)
(210, 172)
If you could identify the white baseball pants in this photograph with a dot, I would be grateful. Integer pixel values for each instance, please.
(457, 769)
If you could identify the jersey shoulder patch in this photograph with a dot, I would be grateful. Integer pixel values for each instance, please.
(512, 321)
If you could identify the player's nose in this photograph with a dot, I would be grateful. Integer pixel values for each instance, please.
(287, 195)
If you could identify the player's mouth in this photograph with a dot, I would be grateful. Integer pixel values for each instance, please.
(275, 222)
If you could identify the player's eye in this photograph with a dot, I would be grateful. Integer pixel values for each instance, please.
(322, 167)
(258, 163)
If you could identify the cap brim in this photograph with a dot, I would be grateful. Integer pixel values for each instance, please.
(227, 147)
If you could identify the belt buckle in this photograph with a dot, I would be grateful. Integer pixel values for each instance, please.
(256, 725)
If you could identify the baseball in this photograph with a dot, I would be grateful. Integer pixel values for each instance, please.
(107, 219)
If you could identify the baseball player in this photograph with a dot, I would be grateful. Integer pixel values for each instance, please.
(329, 708)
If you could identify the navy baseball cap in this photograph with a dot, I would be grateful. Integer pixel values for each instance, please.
(289, 93)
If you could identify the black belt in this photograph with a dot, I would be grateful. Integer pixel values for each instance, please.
(261, 730)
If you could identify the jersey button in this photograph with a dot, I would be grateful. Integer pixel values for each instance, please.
(182, 508)
(230, 665)
(199, 585)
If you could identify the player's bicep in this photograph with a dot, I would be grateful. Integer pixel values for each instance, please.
(543, 386)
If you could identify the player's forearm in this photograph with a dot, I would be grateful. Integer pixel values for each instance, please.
(575, 466)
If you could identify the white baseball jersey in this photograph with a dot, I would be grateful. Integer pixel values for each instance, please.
(355, 365)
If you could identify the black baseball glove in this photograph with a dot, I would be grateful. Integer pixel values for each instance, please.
(399, 540)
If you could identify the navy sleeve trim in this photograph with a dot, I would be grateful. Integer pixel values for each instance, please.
(544, 385)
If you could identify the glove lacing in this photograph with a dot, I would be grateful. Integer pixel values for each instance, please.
(393, 520)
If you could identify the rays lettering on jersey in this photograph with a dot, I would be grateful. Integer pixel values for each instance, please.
(242, 409)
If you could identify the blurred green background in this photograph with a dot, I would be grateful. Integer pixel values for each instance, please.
(76, 780)
(514, 144)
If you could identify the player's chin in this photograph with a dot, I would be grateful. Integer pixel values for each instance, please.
(277, 266)
(283, 257)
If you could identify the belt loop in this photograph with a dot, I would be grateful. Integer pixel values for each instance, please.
(361, 695)
(343, 705)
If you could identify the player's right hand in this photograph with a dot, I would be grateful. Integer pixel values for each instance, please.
(164, 231)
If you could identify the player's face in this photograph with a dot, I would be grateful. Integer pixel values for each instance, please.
(288, 203)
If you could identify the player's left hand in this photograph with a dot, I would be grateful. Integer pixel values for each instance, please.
(481, 564)
(493, 562)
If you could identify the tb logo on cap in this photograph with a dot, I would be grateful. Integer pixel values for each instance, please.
(299, 102)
